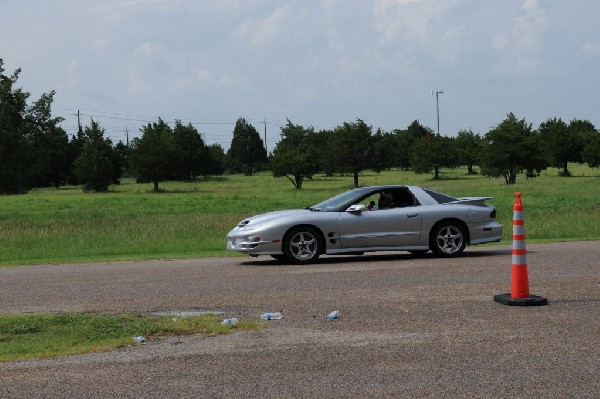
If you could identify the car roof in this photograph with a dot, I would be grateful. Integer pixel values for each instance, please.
(383, 187)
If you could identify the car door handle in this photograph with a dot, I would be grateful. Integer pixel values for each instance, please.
(412, 215)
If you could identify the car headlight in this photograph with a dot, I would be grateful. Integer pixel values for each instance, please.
(242, 243)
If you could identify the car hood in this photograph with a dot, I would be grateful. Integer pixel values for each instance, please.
(272, 216)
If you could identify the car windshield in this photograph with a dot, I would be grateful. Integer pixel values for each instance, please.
(339, 202)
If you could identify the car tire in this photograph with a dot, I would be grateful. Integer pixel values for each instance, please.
(448, 238)
(302, 245)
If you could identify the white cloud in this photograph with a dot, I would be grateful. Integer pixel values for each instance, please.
(407, 19)
(136, 80)
(304, 95)
(523, 47)
(261, 31)
(591, 48)
(116, 10)
(501, 42)
(73, 78)
(530, 6)
(148, 49)
(413, 29)
(149, 64)
(335, 58)
(203, 75)
(529, 29)
(226, 82)
(101, 44)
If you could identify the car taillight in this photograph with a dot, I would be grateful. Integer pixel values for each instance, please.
(493, 214)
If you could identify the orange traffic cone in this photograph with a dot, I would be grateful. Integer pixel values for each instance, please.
(519, 295)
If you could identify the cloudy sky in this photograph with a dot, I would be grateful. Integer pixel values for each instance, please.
(316, 62)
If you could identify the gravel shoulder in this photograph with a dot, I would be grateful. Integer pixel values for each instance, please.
(409, 327)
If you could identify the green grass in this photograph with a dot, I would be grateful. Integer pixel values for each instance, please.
(35, 336)
(191, 219)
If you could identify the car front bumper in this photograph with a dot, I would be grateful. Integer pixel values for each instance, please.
(254, 243)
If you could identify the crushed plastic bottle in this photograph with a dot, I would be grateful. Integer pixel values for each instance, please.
(271, 316)
(333, 315)
(139, 339)
(230, 322)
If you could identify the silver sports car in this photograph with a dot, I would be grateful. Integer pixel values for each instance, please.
(380, 218)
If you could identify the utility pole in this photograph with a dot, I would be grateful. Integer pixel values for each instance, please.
(127, 135)
(79, 129)
(437, 104)
(265, 123)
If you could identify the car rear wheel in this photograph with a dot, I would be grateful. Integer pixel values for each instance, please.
(448, 239)
(302, 245)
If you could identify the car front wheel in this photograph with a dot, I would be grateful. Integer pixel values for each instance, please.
(448, 239)
(302, 245)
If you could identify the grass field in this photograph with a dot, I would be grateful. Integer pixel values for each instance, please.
(32, 336)
(192, 219)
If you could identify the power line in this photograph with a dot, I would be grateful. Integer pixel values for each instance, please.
(210, 137)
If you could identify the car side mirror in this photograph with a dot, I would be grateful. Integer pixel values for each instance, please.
(356, 208)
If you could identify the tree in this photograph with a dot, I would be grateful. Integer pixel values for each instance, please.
(327, 143)
(216, 160)
(417, 131)
(591, 152)
(511, 148)
(151, 154)
(405, 140)
(190, 153)
(468, 147)
(296, 155)
(561, 144)
(74, 150)
(31, 143)
(13, 141)
(433, 152)
(247, 149)
(95, 167)
(385, 151)
(49, 163)
(122, 159)
(352, 148)
(588, 135)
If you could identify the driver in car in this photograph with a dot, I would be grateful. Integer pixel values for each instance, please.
(386, 200)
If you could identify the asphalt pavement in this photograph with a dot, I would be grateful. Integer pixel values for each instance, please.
(409, 327)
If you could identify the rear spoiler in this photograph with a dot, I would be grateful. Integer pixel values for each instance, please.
(470, 200)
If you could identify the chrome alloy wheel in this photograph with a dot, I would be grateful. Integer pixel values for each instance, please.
(302, 245)
(449, 240)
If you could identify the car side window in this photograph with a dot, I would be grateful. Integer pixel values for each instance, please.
(389, 199)
(404, 198)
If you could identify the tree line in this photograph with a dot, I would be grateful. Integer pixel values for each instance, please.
(36, 152)
(511, 148)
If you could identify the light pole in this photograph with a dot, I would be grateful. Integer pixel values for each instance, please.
(437, 104)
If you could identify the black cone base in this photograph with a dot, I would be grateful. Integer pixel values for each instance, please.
(533, 300)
